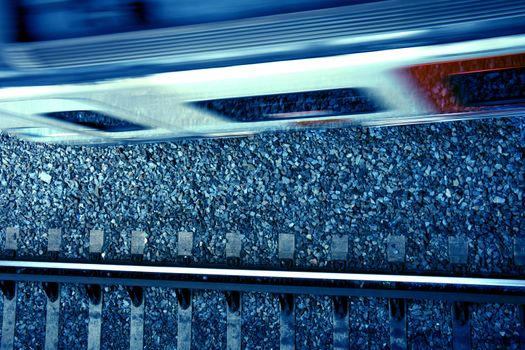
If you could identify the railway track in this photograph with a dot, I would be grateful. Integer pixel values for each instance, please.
(367, 63)
(463, 294)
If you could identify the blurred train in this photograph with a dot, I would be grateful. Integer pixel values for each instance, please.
(117, 71)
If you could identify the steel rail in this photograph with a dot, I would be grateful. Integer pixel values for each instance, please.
(268, 274)
(458, 294)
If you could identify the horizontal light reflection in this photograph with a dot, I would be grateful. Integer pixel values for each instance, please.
(325, 276)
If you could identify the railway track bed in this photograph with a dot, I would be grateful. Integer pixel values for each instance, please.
(190, 296)
(441, 186)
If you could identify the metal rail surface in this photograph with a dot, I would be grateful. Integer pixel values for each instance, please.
(398, 289)
(368, 63)
(475, 289)
(315, 276)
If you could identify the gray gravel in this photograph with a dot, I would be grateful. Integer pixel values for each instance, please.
(429, 325)
(369, 327)
(495, 327)
(260, 321)
(160, 318)
(115, 318)
(30, 328)
(209, 320)
(34, 243)
(313, 322)
(74, 312)
(427, 182)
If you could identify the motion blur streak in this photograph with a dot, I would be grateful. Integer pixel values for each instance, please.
(78, 72)
(432, 78)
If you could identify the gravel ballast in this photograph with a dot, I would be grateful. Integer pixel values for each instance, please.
(369, 326)
(313, 319)
(74, 313)
(495, 327)
(115, 318)
(209, 320)
(260, 321)
(429, 325)
(427, 182)
(160, 318)
(30, 329)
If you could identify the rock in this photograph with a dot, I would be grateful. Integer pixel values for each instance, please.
(498, 200)
(44, 177)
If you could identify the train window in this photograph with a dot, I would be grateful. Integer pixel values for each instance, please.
(298, 105)
(490, 87)
(96, 120)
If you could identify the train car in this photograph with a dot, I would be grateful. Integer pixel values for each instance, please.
(117, 71)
